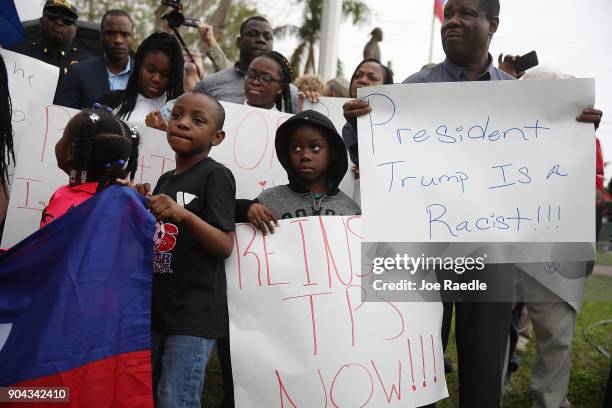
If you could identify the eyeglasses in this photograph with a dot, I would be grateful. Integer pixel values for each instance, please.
(51, 16)
(261, 77)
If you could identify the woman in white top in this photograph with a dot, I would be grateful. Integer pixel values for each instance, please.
(157, 77)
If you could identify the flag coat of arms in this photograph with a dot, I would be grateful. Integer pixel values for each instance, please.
(75, 304)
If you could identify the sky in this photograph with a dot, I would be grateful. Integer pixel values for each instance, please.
(572, 36)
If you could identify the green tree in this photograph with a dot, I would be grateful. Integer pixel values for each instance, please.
(309, 33)
(224, 15)
(231, 26)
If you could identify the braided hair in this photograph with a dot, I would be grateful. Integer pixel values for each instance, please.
(105, 148)
(6, 127)
(122, 168)
(156, 42)
(284, 98)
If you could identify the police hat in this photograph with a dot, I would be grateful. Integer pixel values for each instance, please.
(63, 6)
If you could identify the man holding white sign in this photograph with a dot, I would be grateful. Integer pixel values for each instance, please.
(481, 329)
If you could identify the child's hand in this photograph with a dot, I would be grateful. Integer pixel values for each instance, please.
(312, 96)
(144, 189)
(262, 218)
(165, 208)
(124, 182)
(155, 120)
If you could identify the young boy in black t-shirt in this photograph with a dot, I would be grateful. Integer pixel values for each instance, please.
(194, 205)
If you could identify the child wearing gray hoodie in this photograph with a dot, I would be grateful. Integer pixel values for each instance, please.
(314, 155)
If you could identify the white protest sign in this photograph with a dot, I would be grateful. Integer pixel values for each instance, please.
(563, 279)
(29, 80)
(303, 336)
(330, 107)
(478, 162)
(37, 175)
(248, 151)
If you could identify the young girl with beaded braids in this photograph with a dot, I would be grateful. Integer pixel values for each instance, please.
(95, 150)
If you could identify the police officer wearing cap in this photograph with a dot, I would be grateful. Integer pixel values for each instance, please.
(58, 28)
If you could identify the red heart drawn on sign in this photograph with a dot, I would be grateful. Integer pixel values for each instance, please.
(263, 183)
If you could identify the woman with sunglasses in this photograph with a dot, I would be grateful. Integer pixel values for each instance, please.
(58, 29)
(266, 83)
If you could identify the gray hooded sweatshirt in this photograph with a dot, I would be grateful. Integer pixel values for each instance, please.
(294, 199)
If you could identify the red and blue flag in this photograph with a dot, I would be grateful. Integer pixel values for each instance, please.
(439, 9)
(75, 304)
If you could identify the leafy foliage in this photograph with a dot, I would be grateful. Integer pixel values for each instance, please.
(309, 33)
(224, 15)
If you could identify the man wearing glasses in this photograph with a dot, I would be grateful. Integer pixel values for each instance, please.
(58, 28)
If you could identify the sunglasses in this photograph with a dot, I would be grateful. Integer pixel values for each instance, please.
(261, 77)
(51, 16)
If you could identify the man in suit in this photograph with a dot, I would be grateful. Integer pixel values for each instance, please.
(58, 29)
(91, 79)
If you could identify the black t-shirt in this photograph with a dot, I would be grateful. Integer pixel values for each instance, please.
(189, 289)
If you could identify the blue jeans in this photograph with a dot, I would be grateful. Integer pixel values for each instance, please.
(179, 364)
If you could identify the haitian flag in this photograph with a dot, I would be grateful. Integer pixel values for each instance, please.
(75, 304)
(439, 9)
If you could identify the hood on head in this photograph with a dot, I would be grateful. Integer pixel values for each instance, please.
(338, 166)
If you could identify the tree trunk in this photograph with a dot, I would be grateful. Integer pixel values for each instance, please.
(220, 16)
(310, 61)
(90, 15)
(197, 8)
